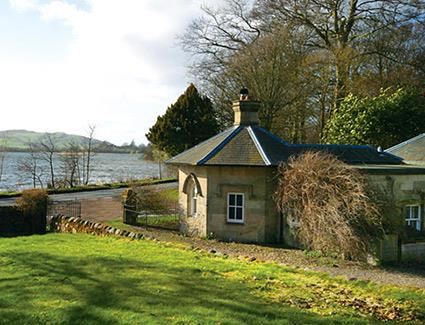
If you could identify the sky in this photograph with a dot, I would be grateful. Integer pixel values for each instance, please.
(116, 64)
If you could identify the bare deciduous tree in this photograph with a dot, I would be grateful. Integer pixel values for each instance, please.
(342, 46)
(219, 33)
(71, 165)
(3, 143)
(89, 154)
(339, 26)
(276, 70)
(48, 153)
(29, 166)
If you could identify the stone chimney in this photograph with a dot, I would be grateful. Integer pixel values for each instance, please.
(246, 109)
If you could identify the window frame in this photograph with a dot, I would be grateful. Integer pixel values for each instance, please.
(228, 206)
(409, 219)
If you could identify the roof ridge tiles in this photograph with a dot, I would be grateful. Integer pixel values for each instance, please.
(258, 146)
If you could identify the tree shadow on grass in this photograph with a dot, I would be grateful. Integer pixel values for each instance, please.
(107, 290)
(410, 269)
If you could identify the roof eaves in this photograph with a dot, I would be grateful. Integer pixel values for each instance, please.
(258, 146)
(334, 146)
(220, 146)
(390, 155)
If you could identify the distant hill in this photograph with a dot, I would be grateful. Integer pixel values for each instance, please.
(17, 140)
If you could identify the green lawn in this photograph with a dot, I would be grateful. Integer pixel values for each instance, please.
(169, 222)
(75, 279)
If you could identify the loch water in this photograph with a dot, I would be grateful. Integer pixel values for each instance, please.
(106, 168)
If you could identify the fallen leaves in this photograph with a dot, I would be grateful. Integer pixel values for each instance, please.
(327, 298)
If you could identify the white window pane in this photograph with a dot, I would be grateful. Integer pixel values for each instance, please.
(194, 207)
(231, 199)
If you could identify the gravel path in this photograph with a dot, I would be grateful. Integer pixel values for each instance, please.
(406, 276)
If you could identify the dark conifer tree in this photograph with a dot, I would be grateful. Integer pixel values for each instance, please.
(187, 122)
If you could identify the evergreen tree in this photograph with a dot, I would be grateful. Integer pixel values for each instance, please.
(187, 122)
(384, 120)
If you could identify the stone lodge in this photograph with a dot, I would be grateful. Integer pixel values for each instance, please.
(226, 183)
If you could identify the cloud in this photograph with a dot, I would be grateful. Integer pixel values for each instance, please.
(122, 69)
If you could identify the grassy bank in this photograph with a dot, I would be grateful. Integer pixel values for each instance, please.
(73, 279)
(96, 187)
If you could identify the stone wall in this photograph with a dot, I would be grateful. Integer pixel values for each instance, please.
(263, 223)
(413, 251)
(388, 250)
(78, 225)
(405, 190)
(256, 183)
(260, 217)
(193, 226)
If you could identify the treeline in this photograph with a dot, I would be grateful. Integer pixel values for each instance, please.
(303, 58)
(101, 147)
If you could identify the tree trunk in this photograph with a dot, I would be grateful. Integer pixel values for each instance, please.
(341, 80)
(88, 162)
(52, 172)
(322, 123)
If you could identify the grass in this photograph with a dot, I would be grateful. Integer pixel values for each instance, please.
(172, 194)
(95, 187)
(161, 221)
(75, 278)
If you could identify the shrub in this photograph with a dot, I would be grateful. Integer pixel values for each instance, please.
(384, 120)
(32, 202)
(149, 199)
(33, 206)
(332, 205)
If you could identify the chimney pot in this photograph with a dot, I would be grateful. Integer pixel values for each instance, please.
(243, 94)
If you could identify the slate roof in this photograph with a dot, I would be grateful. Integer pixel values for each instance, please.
(251, 145)
(412, 150)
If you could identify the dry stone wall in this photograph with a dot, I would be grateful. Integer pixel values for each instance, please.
(74, 225)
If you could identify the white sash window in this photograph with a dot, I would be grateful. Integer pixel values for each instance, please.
(235, 207)
(413, 216)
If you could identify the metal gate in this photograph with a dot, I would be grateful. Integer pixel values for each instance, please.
(165, 219)
(66, 208)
